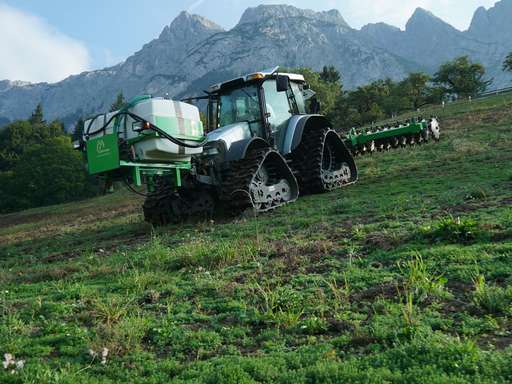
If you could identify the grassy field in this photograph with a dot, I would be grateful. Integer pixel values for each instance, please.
(405, 277)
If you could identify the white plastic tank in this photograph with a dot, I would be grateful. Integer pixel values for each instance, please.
(178, 119)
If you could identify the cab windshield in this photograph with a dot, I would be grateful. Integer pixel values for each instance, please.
(239, 105)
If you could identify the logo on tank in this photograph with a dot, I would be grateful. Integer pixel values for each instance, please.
(101, 147)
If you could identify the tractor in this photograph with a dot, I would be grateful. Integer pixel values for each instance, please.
(264, 144)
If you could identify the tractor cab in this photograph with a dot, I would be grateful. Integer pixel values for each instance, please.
(256, 105)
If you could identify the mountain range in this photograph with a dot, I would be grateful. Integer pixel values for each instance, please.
(193, 52)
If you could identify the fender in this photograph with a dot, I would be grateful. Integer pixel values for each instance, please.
(239, 149)
(296, 128)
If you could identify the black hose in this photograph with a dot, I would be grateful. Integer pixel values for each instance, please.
(87, 133)
(165, 134)
(134, 190)
(151, 126)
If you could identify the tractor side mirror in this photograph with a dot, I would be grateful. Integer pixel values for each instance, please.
(283, 83)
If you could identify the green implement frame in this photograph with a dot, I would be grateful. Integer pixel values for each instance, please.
(356, 139)
(141, 169)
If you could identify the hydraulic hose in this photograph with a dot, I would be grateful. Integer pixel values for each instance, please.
(164, 134)
(133, 190)
(147, 125)
(117, 116)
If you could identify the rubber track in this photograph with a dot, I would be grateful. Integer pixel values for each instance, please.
(307, 161)
(157, 206)
(237, 179)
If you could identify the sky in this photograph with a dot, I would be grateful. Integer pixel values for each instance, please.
(48, 40)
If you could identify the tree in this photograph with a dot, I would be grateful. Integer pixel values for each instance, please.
(395, 97)
(14, 139)
(507, 64)
(19, 136)
(415, 88)
(368, 101)
(462, 77)
(330, 74)
(326, 92)
(79, 129)
(119, 103)
(37, 116)
(50, 172)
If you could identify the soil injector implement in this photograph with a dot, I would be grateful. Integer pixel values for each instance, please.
(385, 138)
(261, 148)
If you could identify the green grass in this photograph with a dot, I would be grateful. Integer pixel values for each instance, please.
(405, 277)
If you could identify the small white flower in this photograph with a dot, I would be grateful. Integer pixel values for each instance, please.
(9, 359)
(104, 354)
(92, 353)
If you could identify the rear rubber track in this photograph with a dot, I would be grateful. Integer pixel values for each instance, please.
(307, 159)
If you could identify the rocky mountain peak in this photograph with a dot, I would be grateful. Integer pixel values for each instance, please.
(374, 29)
(186, 23)
(334, 16)
(480, 20)
(264, 13)
(423, 21)
(493, 24)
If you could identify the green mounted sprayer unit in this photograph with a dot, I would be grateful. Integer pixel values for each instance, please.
(262, 147)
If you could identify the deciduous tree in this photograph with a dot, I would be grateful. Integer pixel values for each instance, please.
(462, 77)
(415, 87)
(48, 173)
(327, 91)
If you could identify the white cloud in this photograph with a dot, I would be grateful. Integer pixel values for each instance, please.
(32, 50)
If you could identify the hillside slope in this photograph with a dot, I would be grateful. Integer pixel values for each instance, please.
(405, 277)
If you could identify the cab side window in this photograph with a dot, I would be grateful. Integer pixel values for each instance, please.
(277, 106)
(299, 97)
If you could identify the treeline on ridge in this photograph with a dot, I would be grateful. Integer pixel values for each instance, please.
(382, 99)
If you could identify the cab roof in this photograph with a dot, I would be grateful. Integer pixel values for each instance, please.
(267, 73)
